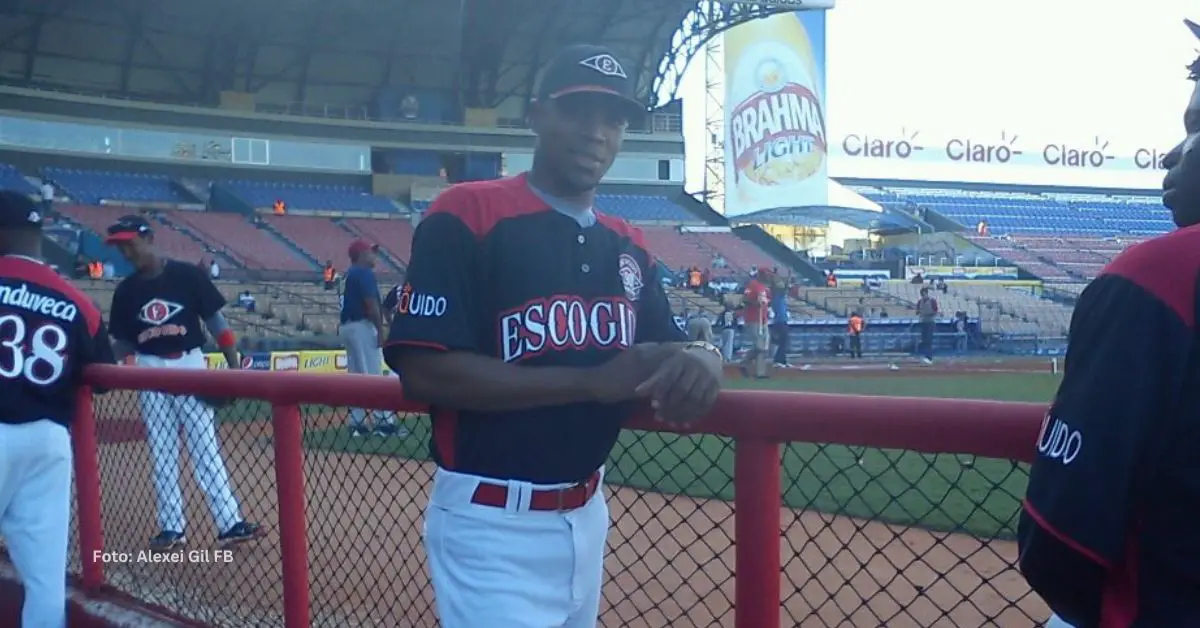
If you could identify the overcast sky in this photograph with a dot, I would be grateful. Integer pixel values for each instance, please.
(1046, 67)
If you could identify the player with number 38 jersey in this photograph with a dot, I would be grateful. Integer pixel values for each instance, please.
(49, 331)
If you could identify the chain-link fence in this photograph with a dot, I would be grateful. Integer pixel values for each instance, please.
(869, 537)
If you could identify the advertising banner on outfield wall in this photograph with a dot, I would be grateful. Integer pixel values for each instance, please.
(776, 147)
(289, 361)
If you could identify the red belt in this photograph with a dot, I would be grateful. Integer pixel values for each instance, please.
(172, 356)
(560, 499)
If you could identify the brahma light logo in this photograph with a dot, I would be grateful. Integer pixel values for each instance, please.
(776, 149)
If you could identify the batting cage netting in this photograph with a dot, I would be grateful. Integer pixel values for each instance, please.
(758, 527)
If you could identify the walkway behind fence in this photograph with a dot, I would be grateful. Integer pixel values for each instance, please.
(781, 509)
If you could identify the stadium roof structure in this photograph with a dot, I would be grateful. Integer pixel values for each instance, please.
(821, 215)
(342, 53)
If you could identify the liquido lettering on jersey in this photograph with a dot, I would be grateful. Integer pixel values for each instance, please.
(412, 303)
(1057, 441)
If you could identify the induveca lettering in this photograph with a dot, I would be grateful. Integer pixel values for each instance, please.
(24, 298)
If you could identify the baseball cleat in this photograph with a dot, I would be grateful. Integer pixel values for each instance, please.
(167, 540)
(387, 430)
(240, 532)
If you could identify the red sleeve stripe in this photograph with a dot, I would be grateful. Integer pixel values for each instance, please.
(1063, 538)
(1166, 267)
(417, 343)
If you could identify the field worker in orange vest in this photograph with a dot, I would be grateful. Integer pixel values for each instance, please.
(855, 329)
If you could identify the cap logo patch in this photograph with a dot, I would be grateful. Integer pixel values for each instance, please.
(605, 64)
(34, 217)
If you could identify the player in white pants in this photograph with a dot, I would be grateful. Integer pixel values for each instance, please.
(156, 317)
(50, 331)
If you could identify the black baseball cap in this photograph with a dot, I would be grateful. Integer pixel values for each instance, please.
(18, 211)
(127, 228)
(587, 68)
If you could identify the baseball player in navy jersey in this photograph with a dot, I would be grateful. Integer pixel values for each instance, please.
(1108, 533)
(156, 317)
(533, 322)
(49, 331)
(361, 330)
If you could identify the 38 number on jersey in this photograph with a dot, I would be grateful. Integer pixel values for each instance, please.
(37, 355)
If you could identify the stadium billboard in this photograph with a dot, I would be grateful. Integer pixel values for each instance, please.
(776, 145)
(999, 156)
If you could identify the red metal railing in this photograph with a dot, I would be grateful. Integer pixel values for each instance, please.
(759, 423)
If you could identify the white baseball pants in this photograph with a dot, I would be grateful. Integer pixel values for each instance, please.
(35, 515)
(512, 567)
(163, 415)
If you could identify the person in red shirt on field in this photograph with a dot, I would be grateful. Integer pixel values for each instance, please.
(755, 299)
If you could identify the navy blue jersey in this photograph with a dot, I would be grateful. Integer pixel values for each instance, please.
(162, 315)
(361, 288)
(49, 331)
(496, 271)
(1108, 532)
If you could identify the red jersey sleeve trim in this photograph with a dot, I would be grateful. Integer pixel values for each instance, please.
(1167, 267)
(1063, 538)
(425, 344)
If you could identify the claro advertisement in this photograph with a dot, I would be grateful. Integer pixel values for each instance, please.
(285, 361)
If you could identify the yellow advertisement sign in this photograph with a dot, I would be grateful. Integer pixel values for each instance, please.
(329, 361)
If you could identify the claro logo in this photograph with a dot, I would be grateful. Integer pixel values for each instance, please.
(1069, 156)
(970, 151)
(1057, 441)
(1149, 159)
(875, 147)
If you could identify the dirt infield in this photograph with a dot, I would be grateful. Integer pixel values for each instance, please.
(671, 559)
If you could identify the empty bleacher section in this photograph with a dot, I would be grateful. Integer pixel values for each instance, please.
(639, 207)
(170, 241)
(306, 196)
(92, 187)
(394, 237)
(248, 245)
(12, 179)
(1056, 236)
(319, 237)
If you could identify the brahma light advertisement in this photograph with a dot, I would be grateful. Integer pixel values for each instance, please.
(776, 145)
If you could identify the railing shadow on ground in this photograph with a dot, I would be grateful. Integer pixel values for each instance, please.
(780, 509)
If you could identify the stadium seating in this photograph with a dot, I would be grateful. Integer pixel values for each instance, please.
(317, 236)
(637, 207)
(12, 179)
(683, 250)
(996, 313)
(92, 187)
(169, 240)
(249, 245)
(317, 197)
(393, 236)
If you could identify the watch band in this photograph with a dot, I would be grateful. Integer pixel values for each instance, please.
(705, 346)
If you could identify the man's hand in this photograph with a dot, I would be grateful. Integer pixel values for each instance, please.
(617, 380)
(684, 388)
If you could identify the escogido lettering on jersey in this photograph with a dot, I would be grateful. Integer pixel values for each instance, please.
(26, 299)
(417, 304)
(566, 323)
(1057, 441)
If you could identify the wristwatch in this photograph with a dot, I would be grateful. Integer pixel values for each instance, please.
(704, 346)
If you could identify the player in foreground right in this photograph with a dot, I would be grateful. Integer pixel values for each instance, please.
(1108, 534)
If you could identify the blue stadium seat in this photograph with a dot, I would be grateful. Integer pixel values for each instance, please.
(12, 179)
(90, 187)
(310, 196)
(637, 207)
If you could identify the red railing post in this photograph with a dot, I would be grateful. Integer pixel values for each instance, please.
(757, 500)
(293, 533)
(87, 490)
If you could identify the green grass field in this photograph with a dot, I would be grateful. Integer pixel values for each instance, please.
(943, 492)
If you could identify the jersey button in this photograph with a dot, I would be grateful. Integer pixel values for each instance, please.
(582, 239)
(585, 268)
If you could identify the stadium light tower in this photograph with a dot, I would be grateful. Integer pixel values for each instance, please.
(714, 124)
